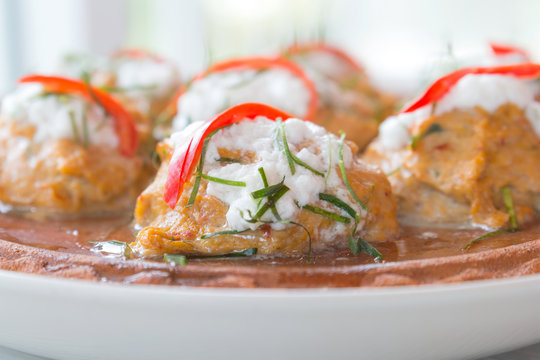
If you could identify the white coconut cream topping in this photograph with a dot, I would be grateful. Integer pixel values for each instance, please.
(309, 142)
(58, 117)
(216, 92)
(137, 75)
(323, 63)
(326, 70)
(486, 91)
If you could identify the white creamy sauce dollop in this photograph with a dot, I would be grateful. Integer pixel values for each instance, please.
(486, 91)
(324, 69)
(58, 117)
(139, 75)
(259, 137)
(216, 92)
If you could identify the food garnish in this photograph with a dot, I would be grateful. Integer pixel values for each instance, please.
(257, 63)
(340, 204)
(184, 158)
(324, 47)
(328, 214)
(503, 50)
(344, 173)
(268, 189)
(226, 232)
(485, 236)
(229, 160)
(134, 53)
(175, 259)
(443, 85)
(433, 128)
(509, 203)
(124, 124)
(362, 245)
(269, 204)
(223, 181)
(291, 158)
(182, 259)
(194, 150)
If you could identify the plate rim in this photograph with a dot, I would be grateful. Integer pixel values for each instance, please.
(18, 278)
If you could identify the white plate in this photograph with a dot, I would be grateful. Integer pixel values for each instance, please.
(72, 319)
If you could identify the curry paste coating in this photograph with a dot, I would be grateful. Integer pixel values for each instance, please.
(455, 176)
(62, 178)
(179, 231)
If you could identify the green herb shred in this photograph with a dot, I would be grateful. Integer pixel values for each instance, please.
(232, 254)
(199, 170)
(267, 190)
(291, 158)
(285, 146)
(344, 174)
(175, 259)
(509, 203)
(229, 160)
(74, 127)
(85, 132)
(433, 128)
(86, 79)
(270, 202)
(328, 214)
(329, 171)
(198, 175)
(224, 181)
(367, 248)
(226, 232)
(340, 204)
(485, 236)
(308, 259)
(273, 207)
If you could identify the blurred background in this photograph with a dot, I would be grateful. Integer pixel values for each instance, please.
(401, 43)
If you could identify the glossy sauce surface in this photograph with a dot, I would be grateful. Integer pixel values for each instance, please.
(76, 237)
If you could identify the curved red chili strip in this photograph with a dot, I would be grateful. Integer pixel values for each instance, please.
(502, 50)
(185, 158)
(255, 63)
(133, 53)
(442, 86)
(321, 46)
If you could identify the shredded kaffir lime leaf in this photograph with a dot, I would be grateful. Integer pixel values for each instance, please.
(226, 232)
(175, 259)
(344, 174)
(433, 128)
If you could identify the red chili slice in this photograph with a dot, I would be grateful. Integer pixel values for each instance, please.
(184, 159)
(502, 50)
(442, 86)
(137, 54)
(309, 47)
(124, 124)
(257, 63)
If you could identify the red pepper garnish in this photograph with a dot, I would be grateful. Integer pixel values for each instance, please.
(258, 63)
(442, 86)
(137, 54)
(124, 124)
(185, 158)
(502, 50)
(172, 107)
(321, 46)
